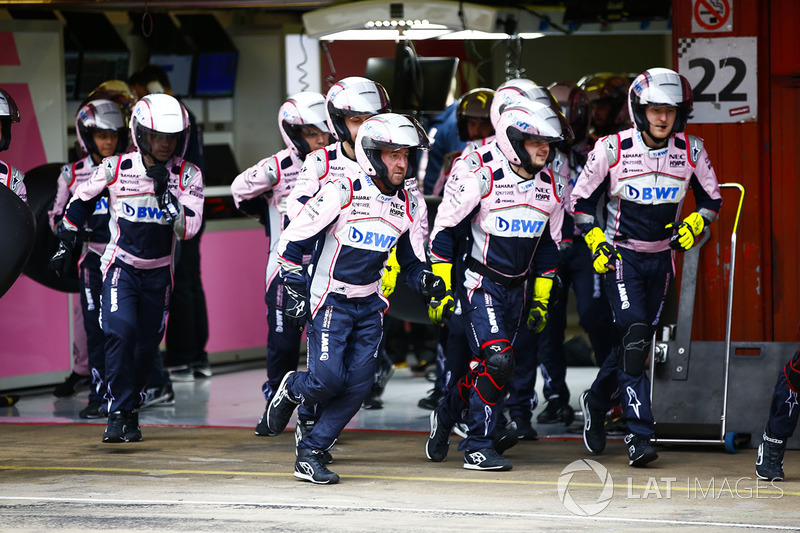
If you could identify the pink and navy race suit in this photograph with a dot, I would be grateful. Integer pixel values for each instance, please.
(136, 263)
(645, 191)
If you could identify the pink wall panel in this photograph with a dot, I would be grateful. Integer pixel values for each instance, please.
(233, 265)
(34, 326)
(8, 49)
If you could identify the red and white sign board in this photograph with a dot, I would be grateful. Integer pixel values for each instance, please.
(712, 16)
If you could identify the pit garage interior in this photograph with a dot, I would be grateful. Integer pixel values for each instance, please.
(730, 325)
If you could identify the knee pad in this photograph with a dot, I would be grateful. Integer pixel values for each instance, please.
(498, 367)
(635, 348)
(792, 372)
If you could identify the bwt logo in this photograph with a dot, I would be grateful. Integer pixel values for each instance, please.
(324, 346)
(522, 125)
(142, 212)
(651, 193)
(519, 225)
(378, 240)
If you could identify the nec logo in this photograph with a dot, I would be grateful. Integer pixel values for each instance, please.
(145, 212)
(651, 193)
(519, 225)
(372, 238)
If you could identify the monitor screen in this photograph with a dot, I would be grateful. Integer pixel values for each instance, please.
(437, 75)
(179, 70)
(216, 74)
(381, 70)
(72, 67)
(97, 67)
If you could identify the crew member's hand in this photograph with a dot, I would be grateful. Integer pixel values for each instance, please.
(169, 206)
(295, 304)
(537, 316)
(160, 177)
(603, 254)
(390, 273)
(686, 231)
(440, 308)
(432, 286)
(62, 260)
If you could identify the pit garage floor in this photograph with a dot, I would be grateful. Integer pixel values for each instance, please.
(201, 468)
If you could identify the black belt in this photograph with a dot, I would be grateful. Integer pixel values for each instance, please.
(506, 281)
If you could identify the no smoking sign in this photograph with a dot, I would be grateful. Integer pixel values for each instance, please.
(712, 16)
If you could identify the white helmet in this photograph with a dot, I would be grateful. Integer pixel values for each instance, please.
(521, 90)
(660, 87)
(354, 96)
(301, 109)
(514, 91)
(389, 131)
(100, 115)
(527, 120)
(8, 113)
(162, 114)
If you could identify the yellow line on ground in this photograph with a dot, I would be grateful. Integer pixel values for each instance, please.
(697, 486)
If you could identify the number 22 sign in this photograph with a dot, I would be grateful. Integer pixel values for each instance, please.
(722, 73)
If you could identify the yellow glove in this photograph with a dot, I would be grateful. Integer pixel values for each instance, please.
(390, 273)
(537, 317)
(440, 310)
(686, 231)
(602, 252)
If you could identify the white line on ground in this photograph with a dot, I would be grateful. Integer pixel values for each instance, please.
(347, 508)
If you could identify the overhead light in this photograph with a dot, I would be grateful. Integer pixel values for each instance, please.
(383, 34)
(482, 35)
(377, 15)
(440, 33)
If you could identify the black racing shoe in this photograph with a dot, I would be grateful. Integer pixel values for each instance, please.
(486, 459)
(461, 429)
(123, 426)
(504, 439)
(431, 400)
(524, 429)
(74, 383)
(261, 428)
(162, 396)
(372, 402)
(640, 452)
(115, 432)
(556, 411)
(280, 408)
(302, 430)
(93, 410)
(133, 433)
(438, 443)
(594, 431)
(310, 466)
(769, 462)
(374, 398)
